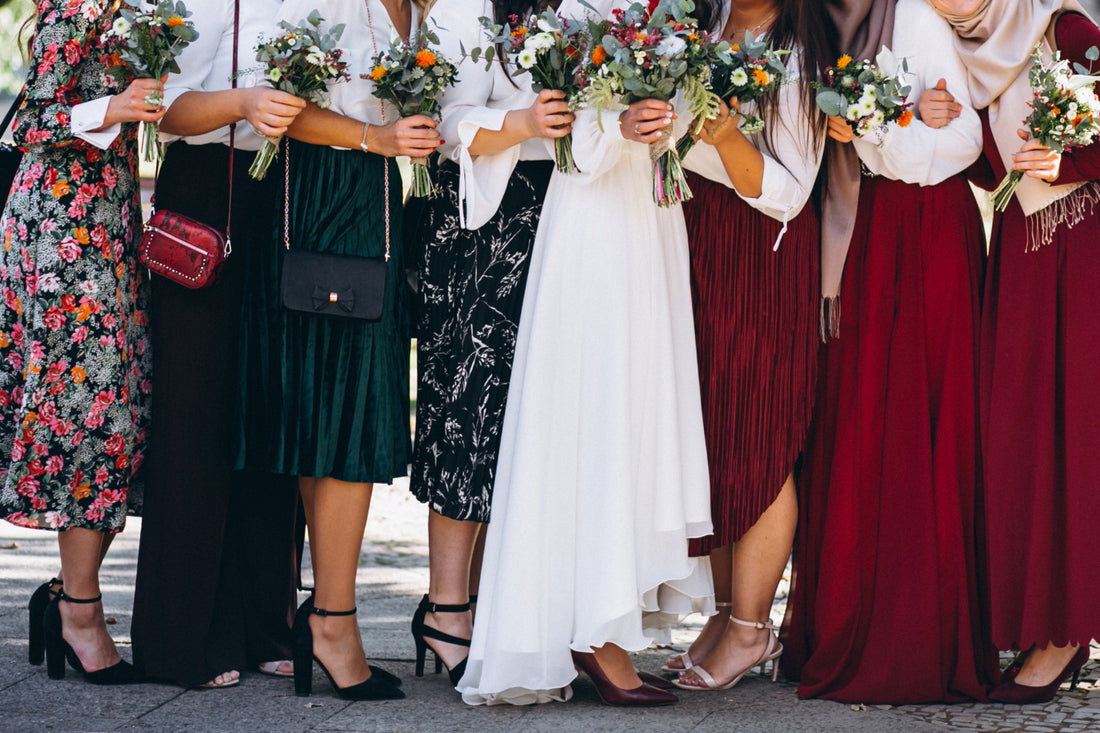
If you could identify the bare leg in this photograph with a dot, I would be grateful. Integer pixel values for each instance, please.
(616, 664)
(721, 565)
(759, 559)
(82, 624)
(475, 566)
(450, 545)
(336, 514)
(105, 543)
(1043, 666)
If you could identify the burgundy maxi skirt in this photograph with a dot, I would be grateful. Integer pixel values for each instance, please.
(886, 605)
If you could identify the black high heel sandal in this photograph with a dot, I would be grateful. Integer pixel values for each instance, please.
(381, 685)
(422, 632)
(375, 671)
(58, 650)
(36, 609)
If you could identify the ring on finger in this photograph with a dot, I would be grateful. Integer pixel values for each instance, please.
(636, 130)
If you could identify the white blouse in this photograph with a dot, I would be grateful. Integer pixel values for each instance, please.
(206, 65)
(917, 153)
(479, 100)
(789, 176)
(354, 98)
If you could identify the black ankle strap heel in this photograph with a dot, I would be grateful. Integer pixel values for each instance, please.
(381, 685)
(422, 632)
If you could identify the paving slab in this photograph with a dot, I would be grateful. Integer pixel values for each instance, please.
(392, 576)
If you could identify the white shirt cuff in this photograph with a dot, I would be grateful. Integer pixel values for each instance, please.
(87, 118)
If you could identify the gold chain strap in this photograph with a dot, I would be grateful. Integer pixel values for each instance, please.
(385, 163)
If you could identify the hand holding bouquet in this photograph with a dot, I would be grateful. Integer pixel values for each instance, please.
(412, 75)
(868, 95)
(1064, 112)
(746, 72)
(651, 53)
(303, 62)
(549, 48)
(148, 42)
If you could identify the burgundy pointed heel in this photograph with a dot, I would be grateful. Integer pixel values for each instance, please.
(1011, 692)
(642, 696)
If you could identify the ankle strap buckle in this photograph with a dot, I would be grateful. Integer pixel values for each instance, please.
(444, 607)
(760, 625)
(322, 612)
(62, 597)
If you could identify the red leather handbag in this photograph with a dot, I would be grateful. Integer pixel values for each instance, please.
(180, 248)
(183, 250)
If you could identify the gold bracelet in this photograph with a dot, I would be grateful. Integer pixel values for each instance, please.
(363, 141)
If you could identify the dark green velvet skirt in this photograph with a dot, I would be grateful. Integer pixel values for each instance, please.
(323, 396)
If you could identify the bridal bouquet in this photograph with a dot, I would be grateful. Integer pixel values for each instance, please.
(148, 42)
(303, 62)
(549, 48)
(1064, 112)
(412, 75)
(652, 52)
(868, 95)
(746, 71)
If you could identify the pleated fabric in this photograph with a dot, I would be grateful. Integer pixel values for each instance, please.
(324, 396)
(756, 335)
(886, 605)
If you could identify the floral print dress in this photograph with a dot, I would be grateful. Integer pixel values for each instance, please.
(74, 395)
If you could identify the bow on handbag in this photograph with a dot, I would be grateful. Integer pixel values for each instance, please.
(344, 299)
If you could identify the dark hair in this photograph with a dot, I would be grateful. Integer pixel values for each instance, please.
(801, 24)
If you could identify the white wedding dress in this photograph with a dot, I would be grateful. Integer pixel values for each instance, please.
(602, 475)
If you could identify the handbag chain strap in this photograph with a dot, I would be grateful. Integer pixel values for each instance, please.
(385, 163)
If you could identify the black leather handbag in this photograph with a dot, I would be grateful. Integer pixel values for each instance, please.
(323, 284)
(10, 156)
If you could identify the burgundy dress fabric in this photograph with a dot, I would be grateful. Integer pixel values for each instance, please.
(756, 333)
(1040, 389)
(885, 606)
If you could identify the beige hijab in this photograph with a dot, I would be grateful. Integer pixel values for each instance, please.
(864, 27)
(995, 42)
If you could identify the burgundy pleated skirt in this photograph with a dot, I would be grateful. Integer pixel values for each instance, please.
(886, 604)
(756, 332)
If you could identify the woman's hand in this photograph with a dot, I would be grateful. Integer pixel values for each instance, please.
(840, 130)
(644, 120)
(269, 111)
(937, 106)
(131, 105)
(413, 136)
(724, 126)
(1036, 160)
(549, 116)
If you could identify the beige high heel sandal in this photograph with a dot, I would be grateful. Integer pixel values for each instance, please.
(772, 652)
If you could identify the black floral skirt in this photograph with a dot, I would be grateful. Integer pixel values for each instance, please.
(471, 287)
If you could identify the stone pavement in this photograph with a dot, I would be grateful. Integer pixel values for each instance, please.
(392, 576)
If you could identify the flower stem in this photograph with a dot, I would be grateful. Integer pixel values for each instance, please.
(422, 180)
(1003, 194)
(264, 158)
(563, 154)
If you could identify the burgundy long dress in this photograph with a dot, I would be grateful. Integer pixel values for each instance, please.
(1040, 400)
(885, 606)
(756, 333)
